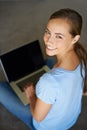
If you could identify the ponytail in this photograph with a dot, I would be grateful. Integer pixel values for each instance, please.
(82, 54)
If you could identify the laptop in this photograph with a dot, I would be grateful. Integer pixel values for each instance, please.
(22, 65)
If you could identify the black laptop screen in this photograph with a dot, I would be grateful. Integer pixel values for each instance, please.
(22, 61)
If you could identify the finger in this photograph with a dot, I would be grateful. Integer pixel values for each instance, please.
(29, 84)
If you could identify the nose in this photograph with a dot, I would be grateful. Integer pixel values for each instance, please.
(50, 40)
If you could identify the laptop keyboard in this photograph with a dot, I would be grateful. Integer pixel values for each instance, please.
(33, 79)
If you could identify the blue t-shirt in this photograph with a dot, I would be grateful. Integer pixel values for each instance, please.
(63, 89)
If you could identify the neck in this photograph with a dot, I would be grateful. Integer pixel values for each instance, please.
(67, 61)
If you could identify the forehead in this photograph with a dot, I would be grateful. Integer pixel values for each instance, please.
(59, 26)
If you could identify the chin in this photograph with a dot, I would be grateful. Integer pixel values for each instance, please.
(49, 54)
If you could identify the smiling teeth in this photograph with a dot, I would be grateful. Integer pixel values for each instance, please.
(50, 48)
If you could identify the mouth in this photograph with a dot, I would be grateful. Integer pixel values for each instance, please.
(50, 48)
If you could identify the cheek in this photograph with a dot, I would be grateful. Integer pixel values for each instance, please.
(44, 38)
(59, 44)
(63, 46)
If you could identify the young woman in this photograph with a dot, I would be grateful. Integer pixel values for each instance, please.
(55, 103)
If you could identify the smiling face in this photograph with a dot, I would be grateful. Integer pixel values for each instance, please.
(57, 37)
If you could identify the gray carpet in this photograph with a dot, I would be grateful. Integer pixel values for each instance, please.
(10, 122)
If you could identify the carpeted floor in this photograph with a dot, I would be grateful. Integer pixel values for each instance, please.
(10, 122)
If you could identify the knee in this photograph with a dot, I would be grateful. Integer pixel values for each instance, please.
(4, 88)
(3, 85)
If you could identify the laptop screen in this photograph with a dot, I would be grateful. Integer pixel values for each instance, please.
(22, 61)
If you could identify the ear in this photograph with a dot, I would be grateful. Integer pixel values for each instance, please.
(75, 39)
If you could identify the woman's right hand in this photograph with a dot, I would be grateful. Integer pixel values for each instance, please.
(29, 90)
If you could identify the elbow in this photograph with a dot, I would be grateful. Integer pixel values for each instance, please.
(38, 118)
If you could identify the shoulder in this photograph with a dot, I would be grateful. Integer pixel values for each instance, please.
(46, 81)
(55, 77)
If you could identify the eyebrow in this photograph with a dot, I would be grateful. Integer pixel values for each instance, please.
(59, 34)
(55, 33)
(47, 29)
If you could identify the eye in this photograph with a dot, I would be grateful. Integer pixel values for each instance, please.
(47, 32)
(59, 37)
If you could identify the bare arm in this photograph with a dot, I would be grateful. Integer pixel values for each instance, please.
(39, 109)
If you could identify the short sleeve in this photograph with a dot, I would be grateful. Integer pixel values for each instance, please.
(45, 89)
